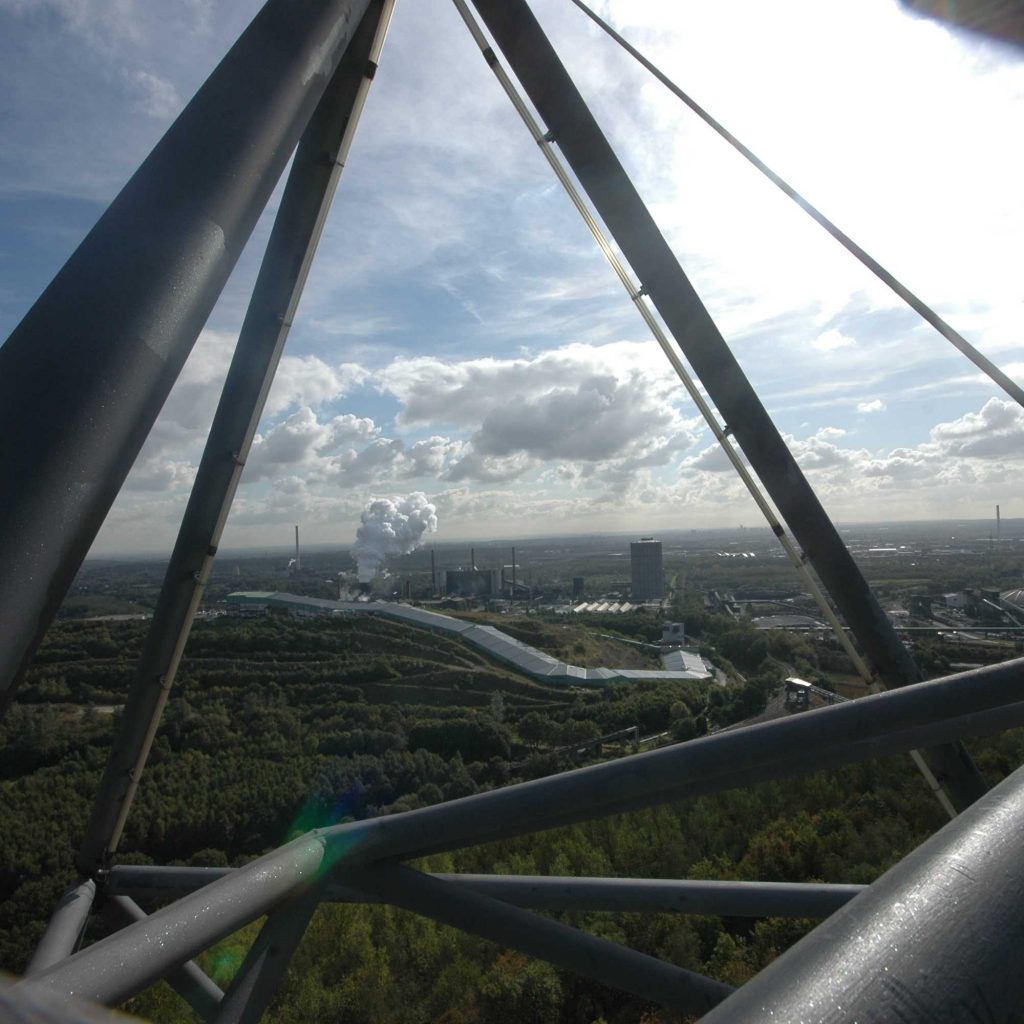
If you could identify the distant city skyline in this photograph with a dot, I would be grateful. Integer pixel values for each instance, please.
(981, 529)
(462, 336)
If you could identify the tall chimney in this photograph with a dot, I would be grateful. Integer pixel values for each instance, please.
(513, 574)
(298, 564)
(998, 523)
(472, 559)
(433, 575)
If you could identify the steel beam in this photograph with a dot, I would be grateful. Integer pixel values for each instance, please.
(588, 955)
(972, 703)
(661, 895)
(293, 241)
(83, 376)
(130, 960)
(196, 987)
(156, 882)
(20, 1005)
(545, 892)
(257, 979)
(573, 128)
(64, 928)
(936, 938)
(954, 337)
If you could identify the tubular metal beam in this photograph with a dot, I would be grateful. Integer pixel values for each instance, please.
(83, 376)
(972, 703)
(199, 990)
(156, 882)
(954, 337)
(37, 1006)
(659, 895)
(560, 105)
(301, 215)
(936, 938)
(257, 979)
(125, 963)
(545, 892)
(64, 928)
(639, 299)
(593, 957)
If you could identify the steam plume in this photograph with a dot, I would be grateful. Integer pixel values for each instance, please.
(391, 526)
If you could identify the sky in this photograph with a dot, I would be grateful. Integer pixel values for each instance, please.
(461, 334)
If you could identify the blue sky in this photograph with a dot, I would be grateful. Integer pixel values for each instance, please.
(461, 334)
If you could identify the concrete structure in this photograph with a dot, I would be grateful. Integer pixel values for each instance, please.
(672, 633)
(646, 574)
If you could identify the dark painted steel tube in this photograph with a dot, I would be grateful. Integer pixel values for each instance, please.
(256, 981)
(157, 882)
(125, 963)
(25, 1005)
(562, 108)
(83, 376)
(572, 950)
(64, 927)
(971, 704)
(544, 892)
(936, 938)
(293, 240)
(661, 895)
(953, 336)
(197, 988)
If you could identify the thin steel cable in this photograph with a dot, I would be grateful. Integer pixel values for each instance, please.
(637, 295)
(951, 335)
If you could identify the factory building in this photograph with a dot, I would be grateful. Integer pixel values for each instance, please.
(646, 573)
(474, 583)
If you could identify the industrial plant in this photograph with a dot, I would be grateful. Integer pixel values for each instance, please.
(299, 799)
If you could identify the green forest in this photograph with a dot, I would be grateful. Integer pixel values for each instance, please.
(278, 725)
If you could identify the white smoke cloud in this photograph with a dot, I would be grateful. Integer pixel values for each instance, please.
(391, 526)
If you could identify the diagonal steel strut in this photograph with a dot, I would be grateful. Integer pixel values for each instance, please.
(972, 703)
(85, 373)
(572, 126)
(293, 241)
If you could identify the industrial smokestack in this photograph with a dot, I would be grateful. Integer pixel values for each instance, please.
(472, 559)
(433, 575)
(513, 574)
(298, 563)
(998, 523)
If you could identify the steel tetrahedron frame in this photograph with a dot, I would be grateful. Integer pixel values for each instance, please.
(936, 938)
